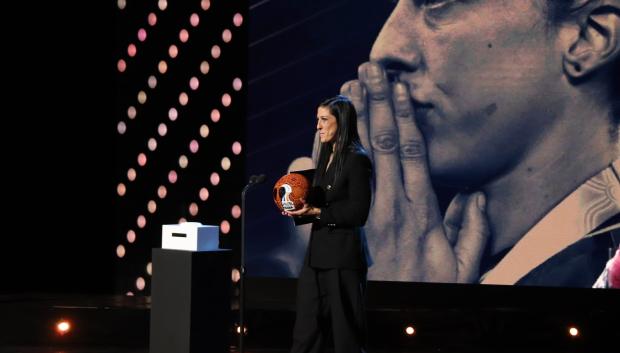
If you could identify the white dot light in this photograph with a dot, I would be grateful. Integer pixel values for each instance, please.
(129, 294)
(216, 51)
(236, 147)
(183, 98)
(120, 251)
(131, 112)
(237, 84)
(193, 209)
(121, 127)
(238, 19)
(141, 97)
(121, 65)
(172, 176)
(182, 220)
(183, 35)
(131, 236)
(573, 331)
(152, 19)
(204, 130)
(410, 330)
(194, 19)
(63, 327)
(131, 174)
(225, 227)
(183, 161)
(236, 211)
(203, 194)
(121, 4)
(173, 51)
(215, 178)
(152, 82)
(226, 99)
(205, 4)
(162, 67)
(162, 191)
(215, 115)
(152, 144)
(235, 275)
(142, 34)
(141, 159)
(193, 146)
(132, 50)
(149, 268)
(140, 283)
(162, 129)
(152, 206)
(162, 4)
(225, 163)
(204, 67)
(194, 83)
(226, 35)
(141, 221)
(173, 114)
(121, 189)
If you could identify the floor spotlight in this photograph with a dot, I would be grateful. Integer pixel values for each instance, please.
(410, 331)
(573, 331)
(63, 327)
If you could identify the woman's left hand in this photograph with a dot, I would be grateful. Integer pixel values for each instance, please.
(306, 210)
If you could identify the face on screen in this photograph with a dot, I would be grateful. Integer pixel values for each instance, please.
(483, 77)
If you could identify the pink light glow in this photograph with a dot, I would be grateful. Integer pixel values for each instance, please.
(205, 4)
(141, 159)
(215, 178)
(226, 99)
(183, 35)
(142, 34)
(237, 84)
(215, 115)
(203, 194)
(120, 251)
(131, 236)
(183, 98)
(162, 191)
(193, 209)
(162, 67)
(204, 130)
(152, 19)
(121, 127)
(173, 114)
(173, 51)
(141, 221)
(172, 177)
(140, 283)
(226, 35)
(131, 174)
(151, 206)
(162, 129)
(121, 189)
(152, 144)
(121, 65)
(152, 82)
(131, 112)
(132, 50)
(235, 211)
(236, 148)
(194, 83)
(193, 146)
(194, 19)
(225, 227)
(204, 67)
(238, 19)
(216, 51)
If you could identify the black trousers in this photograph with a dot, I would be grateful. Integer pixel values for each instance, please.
(335, 295)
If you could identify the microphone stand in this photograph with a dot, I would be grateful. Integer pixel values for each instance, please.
(254, 180)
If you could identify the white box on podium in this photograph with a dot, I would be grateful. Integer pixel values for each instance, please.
(192, 236)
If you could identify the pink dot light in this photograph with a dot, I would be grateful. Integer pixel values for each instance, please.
(132, 50)
(225, 227)
(151, 206)
(203, 194)
(121, 189)
(194, 19)
(121, 127)
(162, 67)
(215, 115)
(162, 191)
(162, 129)
(238, 19)
(183, 98)
(226, 35)
(193, 146)
(236, 147)
(152, 144)
(120, 251)
(237, 84)
(121, 65)
(215, 178)
(142, 34)
(183, 35)
(172, 177)
(140, 283)
(226, 99)
(216, 51)
(173, 51)
(204, 67)
(131, 236)
(235, 211)
(131, 112)
(194, 83)
(141, 221)
(141, 159)
(152, 82)
(193, 209)
(173, 114)
(205, 4)
(131, 174)
(152, 19)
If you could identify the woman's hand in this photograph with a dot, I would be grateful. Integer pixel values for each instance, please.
(306, 210)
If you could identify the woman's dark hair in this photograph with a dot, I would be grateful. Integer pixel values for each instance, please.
(347, 139)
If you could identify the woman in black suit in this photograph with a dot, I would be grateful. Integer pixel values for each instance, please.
(332, 281)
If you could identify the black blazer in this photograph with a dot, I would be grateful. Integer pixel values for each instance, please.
(337, 239)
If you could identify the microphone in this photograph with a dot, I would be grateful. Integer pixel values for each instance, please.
(255, 180)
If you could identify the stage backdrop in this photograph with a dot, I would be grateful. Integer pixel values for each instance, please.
(301, 52)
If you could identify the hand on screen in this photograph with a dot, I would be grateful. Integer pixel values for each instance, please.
(408, 239)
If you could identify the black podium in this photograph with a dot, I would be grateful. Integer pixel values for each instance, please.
(190, 301)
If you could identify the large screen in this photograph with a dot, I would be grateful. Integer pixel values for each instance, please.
(491, 126)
